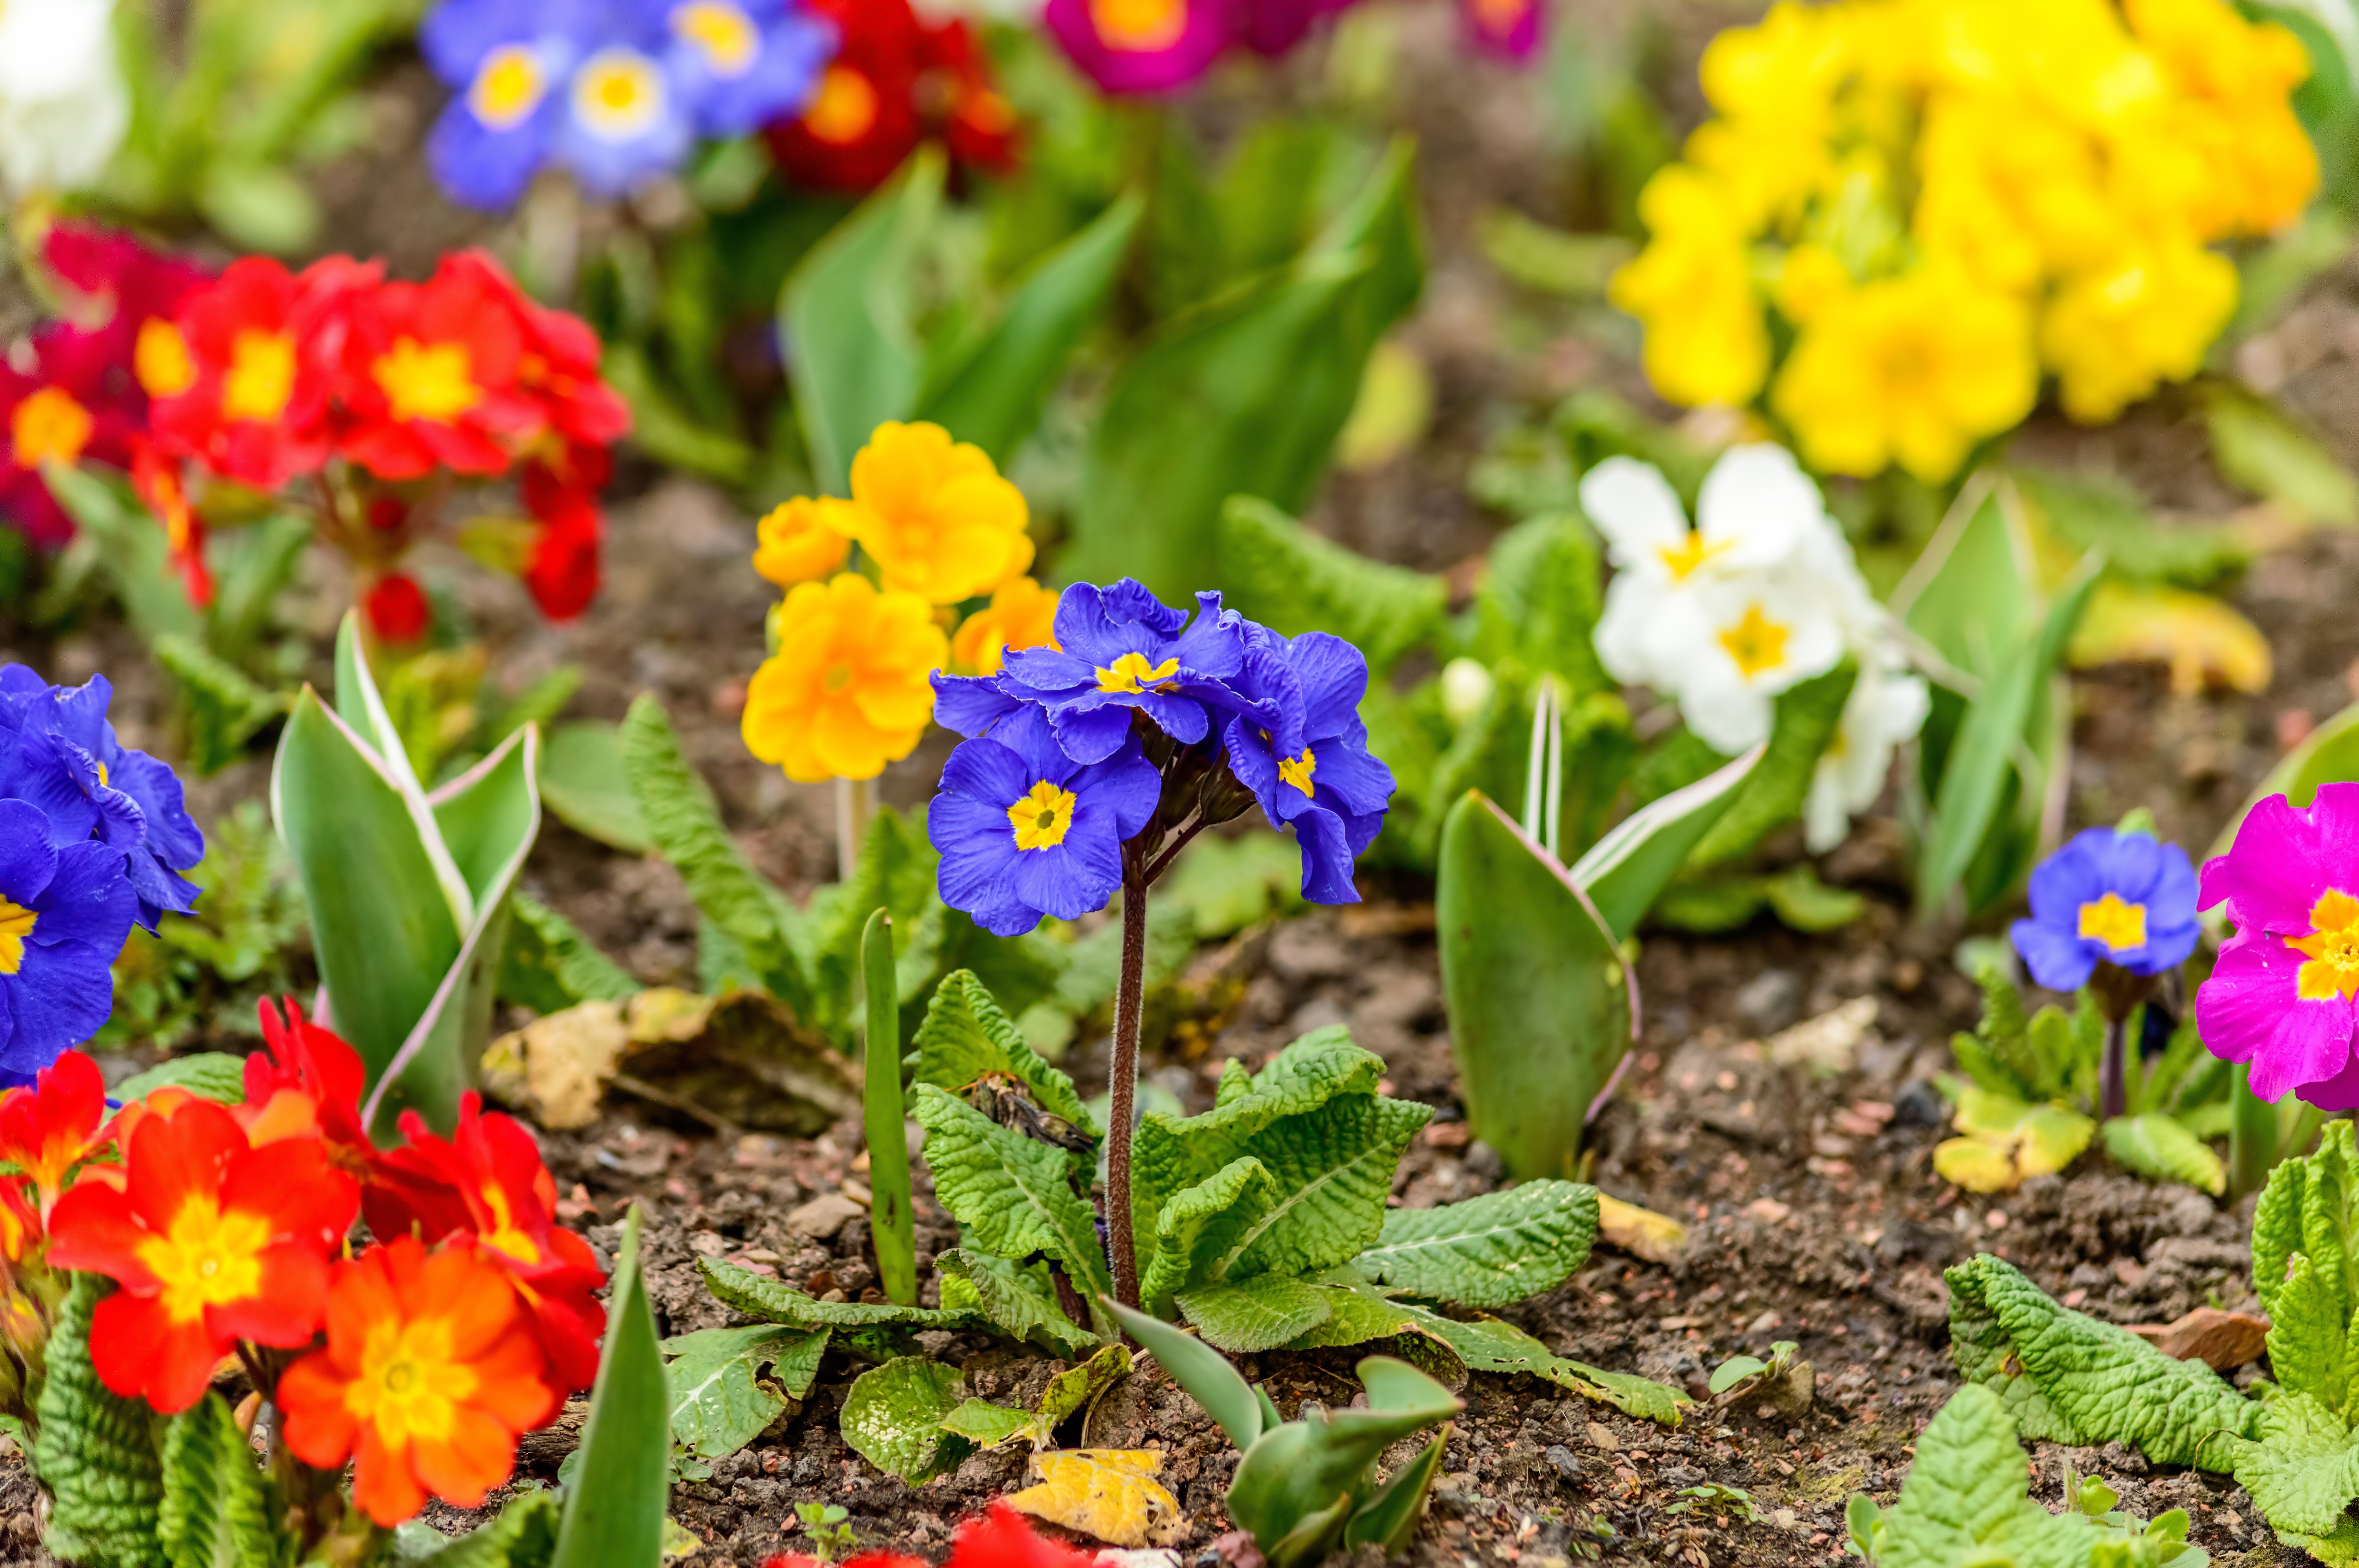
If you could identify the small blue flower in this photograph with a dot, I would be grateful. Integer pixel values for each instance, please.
(743, 63)
(2108, 897)
(64, 914)
(510, 62)
(1025, 830)
(1297, 743)
(59, 754)
(1120, 649)
(626, 118)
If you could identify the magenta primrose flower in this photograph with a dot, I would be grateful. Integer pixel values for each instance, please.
(2282, 995)
(1139, 48)
(1508, 29)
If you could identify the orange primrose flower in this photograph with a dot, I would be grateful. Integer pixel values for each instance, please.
(46, 1130)
(801, 542)
(306, 1082)
(935, 513)
(430, 1373)
(488, 1180)
(848, 691)
(1021, 614)
(212, 1241)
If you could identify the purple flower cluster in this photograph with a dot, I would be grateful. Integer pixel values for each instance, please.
(1139, 720)
(94, 838)
(615, 91)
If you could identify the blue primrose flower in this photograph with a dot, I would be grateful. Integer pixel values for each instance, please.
(1025, 830)
(1120, 649)
(742, 63)
(2123, 899)
(59, 754)
(510, 62)
(1297, 743)
(65, 911)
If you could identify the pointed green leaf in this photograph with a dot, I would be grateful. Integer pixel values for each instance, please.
(1391, 1515)
(848, 320)
(1807, 717)
(1259, 1313)
(615, 1507)
(2156, 1145)
(2261, 451)
(1012, 1192)
(584, 781)
(893, 1418)
(1625, 872)
(214, 1075)
(1199, 1368)
(1540, 1003)
(132, 549)
(721, 1400)
(758, 1295)
(1296, 1487)
(225, 708)
(1491, 1251)
(549, 965)
(995, 397)
(1293, 580)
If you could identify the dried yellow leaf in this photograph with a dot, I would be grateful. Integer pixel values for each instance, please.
(1109, 1493)
(1641, 1232)
(2205, 641)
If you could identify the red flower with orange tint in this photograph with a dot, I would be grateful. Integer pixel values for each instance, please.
(559, 370)
(488, 1180)
(980, 125)
(47, 1130)
(306, 1082)
(430, 374)
(895, 81)
(430, 1373)
(212, 1241)
(242, 380)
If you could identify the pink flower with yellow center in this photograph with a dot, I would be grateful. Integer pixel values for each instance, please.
(1142, 46)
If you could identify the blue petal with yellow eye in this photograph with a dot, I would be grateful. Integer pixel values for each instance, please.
(2123, 899)
(1295, 741)
(1024, 830)
(743, 63)
(1119, 651)
(64, 914)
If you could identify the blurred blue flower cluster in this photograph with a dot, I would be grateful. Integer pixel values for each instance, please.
(1139, 721)
(613, 90)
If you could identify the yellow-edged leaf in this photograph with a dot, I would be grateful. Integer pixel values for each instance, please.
(2004, 1141)
(1395, 407)
(1641, 1232)
(1110, 1493)
(2205, 641)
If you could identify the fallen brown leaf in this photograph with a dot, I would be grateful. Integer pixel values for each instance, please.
(2222, 1340)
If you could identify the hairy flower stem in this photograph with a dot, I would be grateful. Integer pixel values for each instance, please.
(2112, 1092)
(1129, 998)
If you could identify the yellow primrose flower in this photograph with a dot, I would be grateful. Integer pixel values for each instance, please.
(847, 691)
(2113, 335)
(1021, 614)
(935, 514)
(802, 541)
(1692, 286)
(1912, 370)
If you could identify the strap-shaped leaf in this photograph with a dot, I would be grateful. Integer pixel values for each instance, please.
(1009, 1190)
(1625, 870)
(615, 1507)
(1203, 1371)
(758, 1295)
(1490, 1252)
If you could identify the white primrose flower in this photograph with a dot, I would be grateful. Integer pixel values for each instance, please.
(63, 105)
(1887, 708)
(1760, 633)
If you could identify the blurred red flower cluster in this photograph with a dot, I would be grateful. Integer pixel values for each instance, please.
(895, 80)
(226, 1229)
(377, 394)
(1000, 1538)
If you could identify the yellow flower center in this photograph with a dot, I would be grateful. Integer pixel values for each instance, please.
(1691, 553)
(1756, 642)
(1297, 771)
(207, 1258)
(838, 676)
(503, 1236)
(725, 34)
(1500, 16)
(2332, 948)
(1132, 673)
(1043, 819)
(410, 1385)
(508, 86)
(1139, 27)
(844, 109)
(48, 426)
(619, 95)
(16, 927)
(261, 377)
(427, 381)
(160, 359)
(2119, 926)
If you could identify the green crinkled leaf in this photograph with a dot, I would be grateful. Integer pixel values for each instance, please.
(1069, 1391)
(2069, 1378)
(1539, 600)
(1967, 1499)
(893, 1418)
(2304, 1470)
(986, 1426)
(1334, 1170)
(1202, 1226)
(685, 823)
(2308, 1339)
(1259, 1313)
(756, 1296)
(523, 1536)
(1295, 581)
(217, 1511)
(1626, 1391)
(549, 965)
(1490, 1252)
(1006, 1293)
(210, 1075)
(226, 709)
(96, 1452)
(966, 1035)
(2156, 1145)
(1010, 1192)
(721, 1400)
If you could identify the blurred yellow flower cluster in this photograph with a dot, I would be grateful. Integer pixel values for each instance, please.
(849, 688)
(1906, 209)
